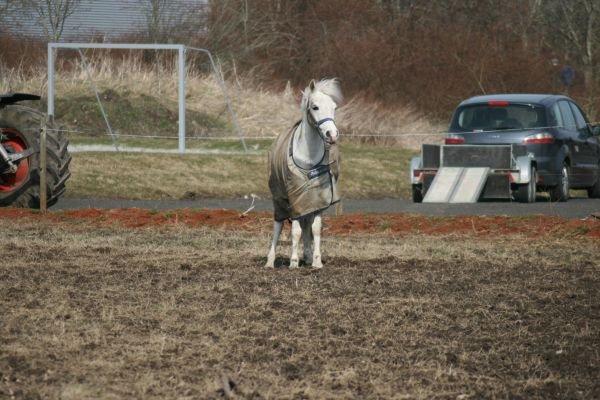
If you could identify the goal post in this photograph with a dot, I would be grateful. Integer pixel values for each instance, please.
(181, 77)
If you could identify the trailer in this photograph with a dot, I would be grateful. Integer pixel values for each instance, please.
(470, 173)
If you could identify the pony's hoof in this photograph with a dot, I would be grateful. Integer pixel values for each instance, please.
(317, 263)
(294, 264)
(270, 262)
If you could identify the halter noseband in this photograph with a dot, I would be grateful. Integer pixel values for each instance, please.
(318, 124)
(321, 122)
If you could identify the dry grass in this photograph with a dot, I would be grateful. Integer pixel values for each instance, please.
(175, 312)
(143, 100)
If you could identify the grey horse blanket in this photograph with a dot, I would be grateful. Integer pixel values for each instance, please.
(296, 191)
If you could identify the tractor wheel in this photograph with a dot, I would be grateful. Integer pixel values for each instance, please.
(20, 128)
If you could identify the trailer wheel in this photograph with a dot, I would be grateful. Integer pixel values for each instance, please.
(560, 192)
(417, 194)
(526, 193)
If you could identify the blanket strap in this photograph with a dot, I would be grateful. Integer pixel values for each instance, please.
(318, 171)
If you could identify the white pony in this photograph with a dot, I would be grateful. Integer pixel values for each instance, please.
(303, 172)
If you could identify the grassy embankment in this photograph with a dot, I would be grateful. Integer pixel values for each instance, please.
(142, 101)
(367, 171)
(177, 312)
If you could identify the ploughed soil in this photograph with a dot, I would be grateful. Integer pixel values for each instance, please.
(138, 304)
(348, 224)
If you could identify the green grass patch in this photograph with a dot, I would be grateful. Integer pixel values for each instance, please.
(367, 171)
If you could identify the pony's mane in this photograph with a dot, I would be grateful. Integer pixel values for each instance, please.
(330, 87)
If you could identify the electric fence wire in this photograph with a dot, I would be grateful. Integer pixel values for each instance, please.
(235, 138)
(93, 132)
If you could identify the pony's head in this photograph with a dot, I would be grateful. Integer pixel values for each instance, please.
(319, 101)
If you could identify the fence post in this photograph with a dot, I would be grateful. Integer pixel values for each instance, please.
(50, 81)
(43, 187)
(181, 62)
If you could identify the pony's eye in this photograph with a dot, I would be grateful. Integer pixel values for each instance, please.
(315, 108)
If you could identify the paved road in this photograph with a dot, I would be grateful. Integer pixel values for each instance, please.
(574, 208)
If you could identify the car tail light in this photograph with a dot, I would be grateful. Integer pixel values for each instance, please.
(498, 103)
(539, 138)
(454, 139)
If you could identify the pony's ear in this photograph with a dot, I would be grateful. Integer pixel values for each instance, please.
(311, 85)
(304, 101)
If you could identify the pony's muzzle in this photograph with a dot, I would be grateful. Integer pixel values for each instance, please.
(331, 136)
(329, 131)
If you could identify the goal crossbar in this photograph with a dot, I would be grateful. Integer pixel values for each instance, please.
(181, 76)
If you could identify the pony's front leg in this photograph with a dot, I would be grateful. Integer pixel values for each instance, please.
(316, 231)
(277, 225)
(296, 234)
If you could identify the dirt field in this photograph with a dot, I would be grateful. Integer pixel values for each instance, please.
(139, 304)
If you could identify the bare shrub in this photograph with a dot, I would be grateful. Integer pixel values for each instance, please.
(429, 54)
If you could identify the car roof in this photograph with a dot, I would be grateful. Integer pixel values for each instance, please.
(544, 99)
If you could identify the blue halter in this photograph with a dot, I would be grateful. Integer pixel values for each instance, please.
(321, 122)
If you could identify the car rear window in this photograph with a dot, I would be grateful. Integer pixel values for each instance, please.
(567, 114)
(579, 118)
(485, 117)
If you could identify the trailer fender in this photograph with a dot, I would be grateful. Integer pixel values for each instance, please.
(523, 164)
(415, 163)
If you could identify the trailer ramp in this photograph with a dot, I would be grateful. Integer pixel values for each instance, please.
(457, 185)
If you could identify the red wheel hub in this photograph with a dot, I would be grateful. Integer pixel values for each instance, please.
(14, 144)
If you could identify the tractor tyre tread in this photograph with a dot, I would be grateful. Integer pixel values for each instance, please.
(27, 122)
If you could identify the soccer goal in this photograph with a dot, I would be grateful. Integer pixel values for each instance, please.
(181, 50)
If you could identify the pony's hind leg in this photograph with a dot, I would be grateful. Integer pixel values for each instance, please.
(277, 225)
(307, 238)
(316, 233)
(296, 233)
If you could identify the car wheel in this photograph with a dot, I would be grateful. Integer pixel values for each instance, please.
(560, 192)
(526, 193)
(594, 191)
(417, 194)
